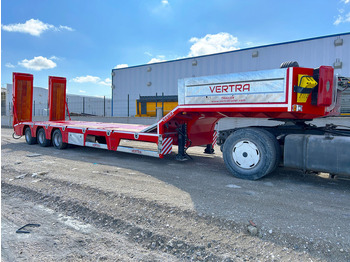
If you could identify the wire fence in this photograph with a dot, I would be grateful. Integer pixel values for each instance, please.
(79, 106)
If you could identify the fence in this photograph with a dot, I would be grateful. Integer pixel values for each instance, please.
(91, 106)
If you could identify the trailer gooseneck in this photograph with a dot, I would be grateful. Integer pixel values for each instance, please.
(290, 94)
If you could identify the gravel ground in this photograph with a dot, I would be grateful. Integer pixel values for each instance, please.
(96, 205)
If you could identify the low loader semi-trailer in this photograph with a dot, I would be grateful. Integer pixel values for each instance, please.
(291, 94)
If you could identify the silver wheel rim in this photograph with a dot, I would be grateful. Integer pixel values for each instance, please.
(56, 140)
(28, 136)
(41, 137)
(246, 154)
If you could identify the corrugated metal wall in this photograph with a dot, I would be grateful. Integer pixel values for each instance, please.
(147, 80)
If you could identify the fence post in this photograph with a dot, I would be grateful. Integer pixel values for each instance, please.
(10, 114)
(128, 105)
(162, 104)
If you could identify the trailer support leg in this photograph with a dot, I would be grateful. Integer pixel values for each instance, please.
(209, 149)
(182, 155)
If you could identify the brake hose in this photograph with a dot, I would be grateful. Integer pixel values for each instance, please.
(13, 135)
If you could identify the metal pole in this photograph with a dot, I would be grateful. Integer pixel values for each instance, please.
(112, 102)
(10, 113)
(128, 105)
(156, 102)
(162, 104)
(104, 106)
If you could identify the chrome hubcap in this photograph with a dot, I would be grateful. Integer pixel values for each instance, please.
(245, 154)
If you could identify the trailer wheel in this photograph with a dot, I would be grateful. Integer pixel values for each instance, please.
(28, 135)
(41, 138)
(251, 153)
(57, 140)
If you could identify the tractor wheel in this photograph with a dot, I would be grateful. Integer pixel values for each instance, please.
(251, 153)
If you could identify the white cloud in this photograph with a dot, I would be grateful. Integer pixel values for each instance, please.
(82, 91)
(155, 60)
(92, 79)
(54, 58)
(211, 44)
(33, 27)
(121, 66)
(106, 82)
(342, 19)
(86, 79)
(64, 27)
(9, 65)
(338, 20)
(346, 1)
(163, 9)
(38, 63)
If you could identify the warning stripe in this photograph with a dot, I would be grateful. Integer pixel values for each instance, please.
(215, 137)
(167, 146)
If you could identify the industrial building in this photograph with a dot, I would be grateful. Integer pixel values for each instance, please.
(158, 79)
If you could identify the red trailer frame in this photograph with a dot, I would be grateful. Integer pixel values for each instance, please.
(187, 125)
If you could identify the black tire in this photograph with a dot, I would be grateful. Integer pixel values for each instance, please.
(277, 148)
(57, 140)
(28, 136)
(251, 153)
(41, 138)
(289, 64)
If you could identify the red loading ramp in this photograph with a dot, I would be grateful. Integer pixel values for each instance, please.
(57, 98)
(22, 97)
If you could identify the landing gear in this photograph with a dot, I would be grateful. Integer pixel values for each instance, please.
(183, 139)
(209, 149)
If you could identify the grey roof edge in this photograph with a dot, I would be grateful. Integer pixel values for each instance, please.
(235, 51)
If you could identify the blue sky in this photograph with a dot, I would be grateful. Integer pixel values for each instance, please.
(84, 40)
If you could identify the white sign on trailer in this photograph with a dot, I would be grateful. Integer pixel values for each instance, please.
(253, 87)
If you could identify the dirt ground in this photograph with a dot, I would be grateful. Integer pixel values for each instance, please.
(98, 205)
